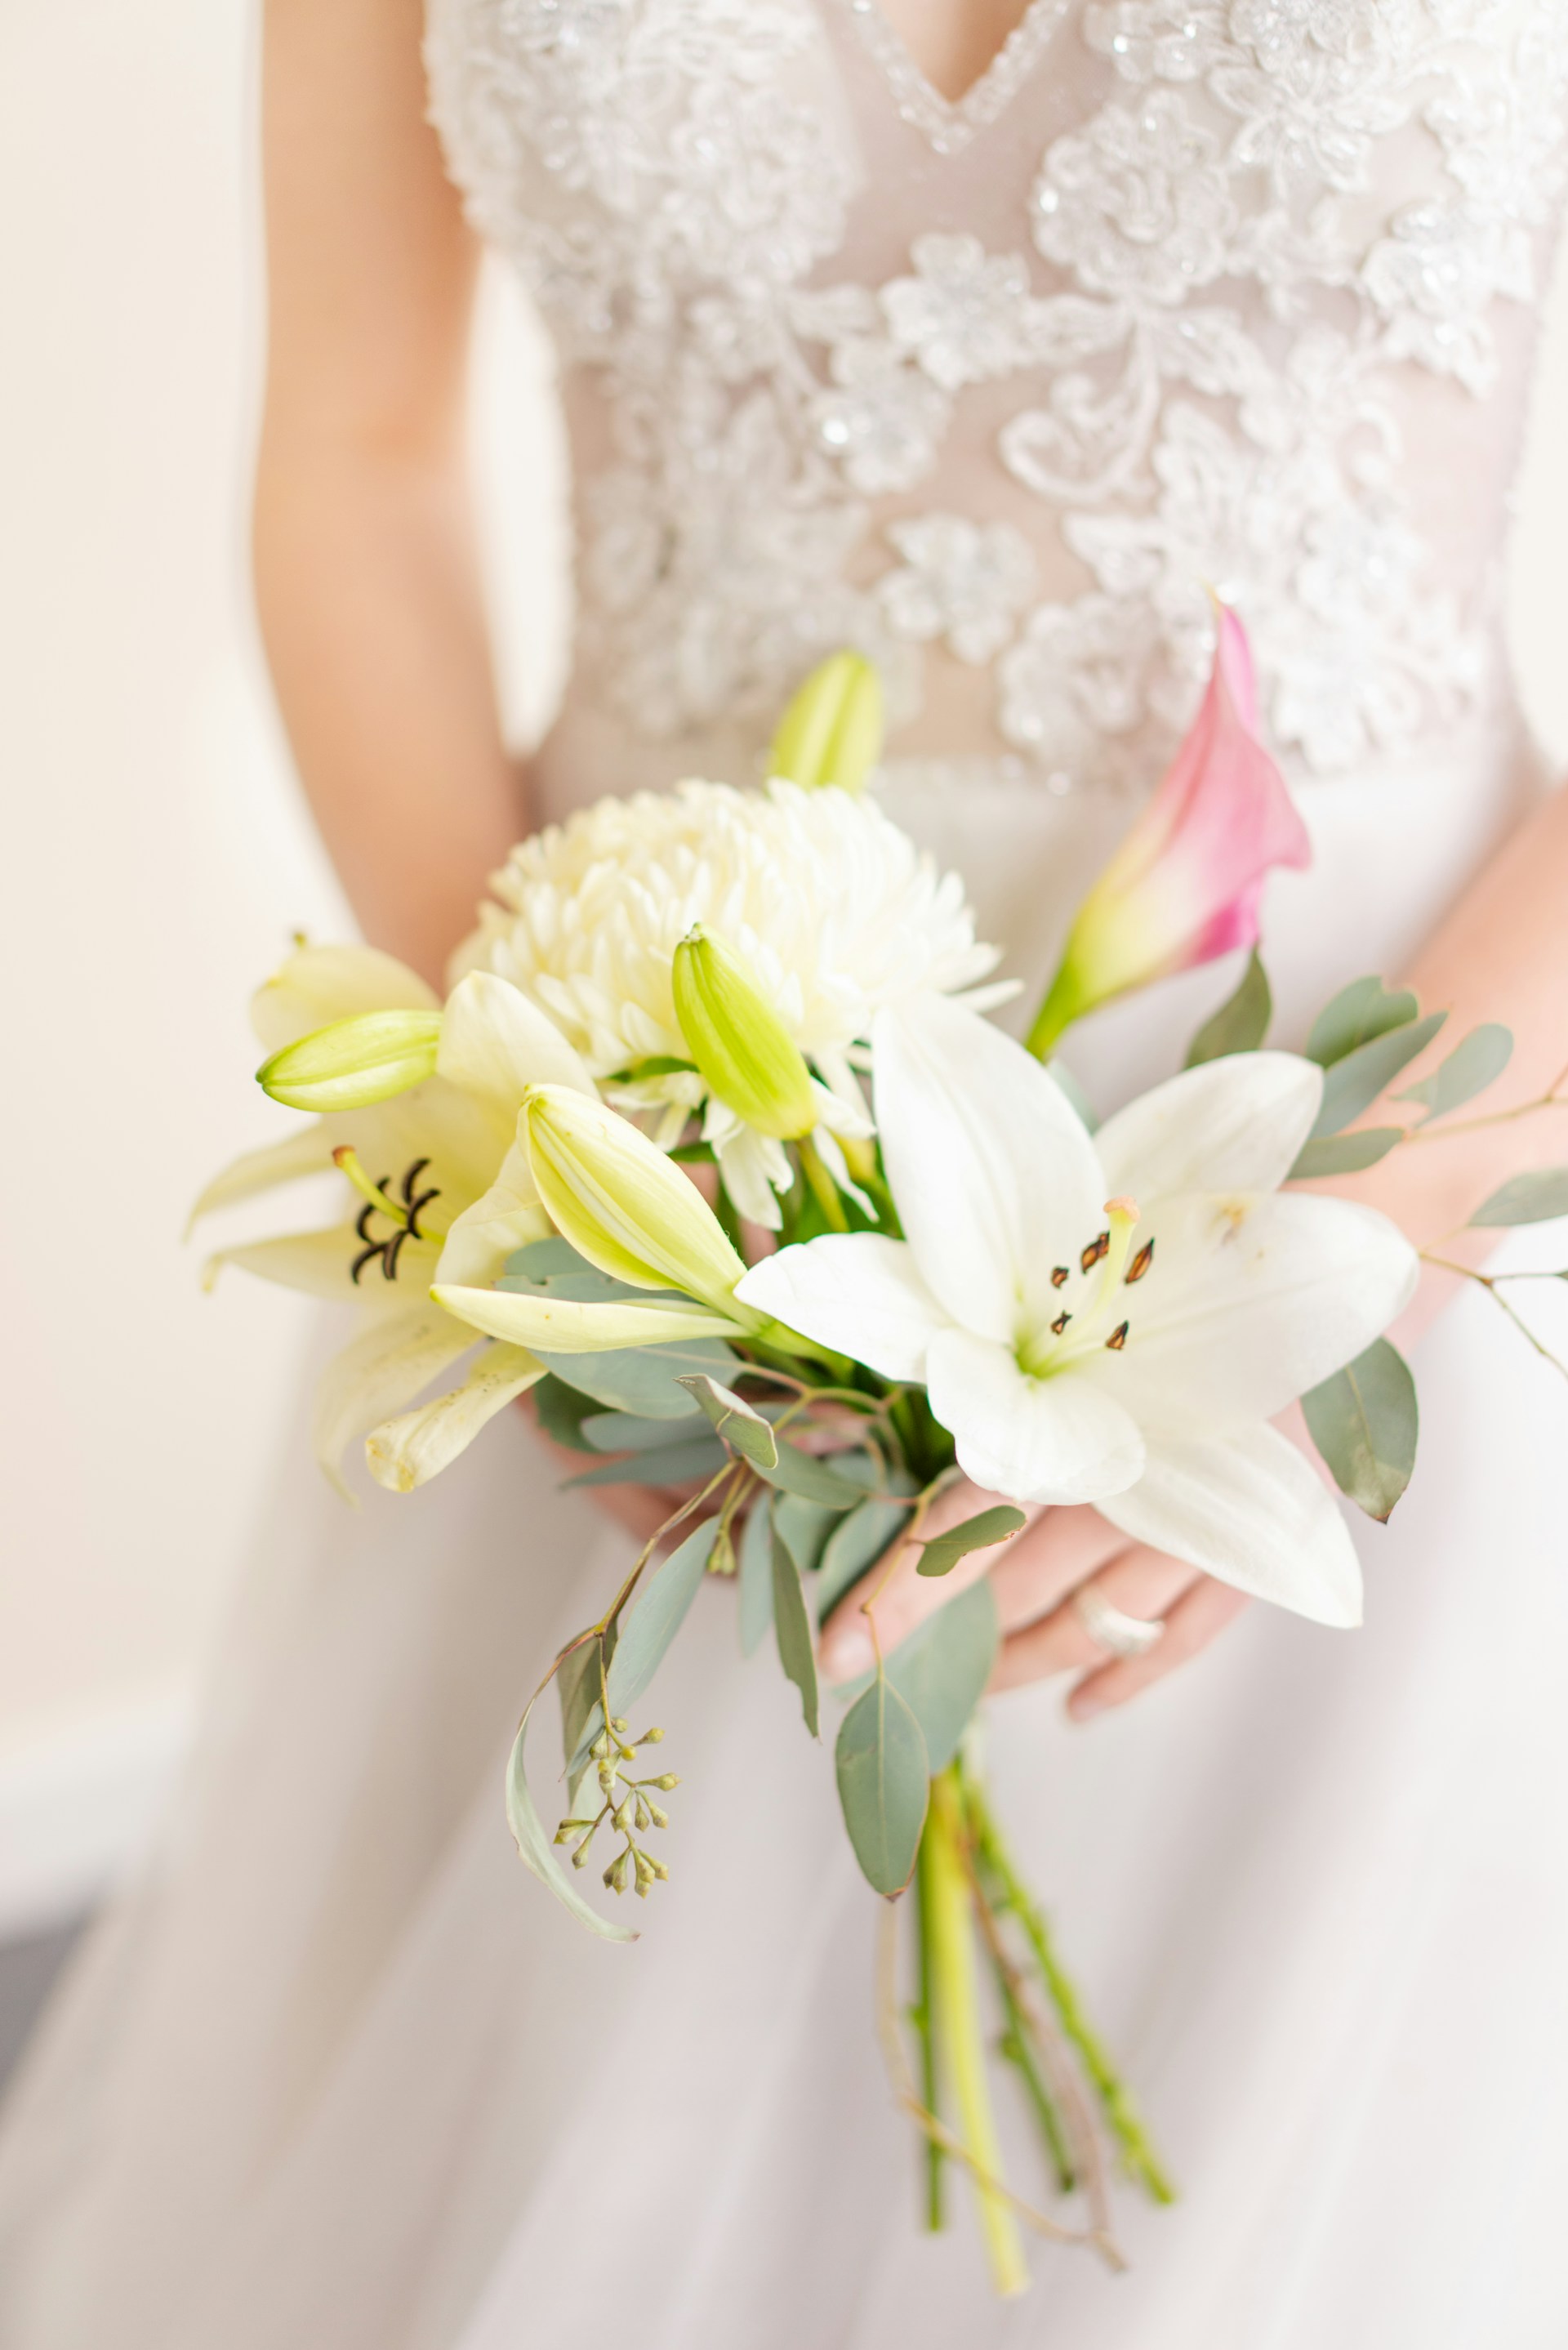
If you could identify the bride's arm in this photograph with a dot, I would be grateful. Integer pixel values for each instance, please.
(367, 582)
(1501, 954)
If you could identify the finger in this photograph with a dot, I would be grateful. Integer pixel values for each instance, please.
(1141, 1582)
(1200, 1615)
(1060, 1549)
(902, 1596)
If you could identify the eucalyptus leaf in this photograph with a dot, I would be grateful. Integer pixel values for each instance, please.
(671, 1464)
(1360, 1012)
(805, 1527)
(1242, 1022)
(626, 1431)
(941, 1669)
(658, 1615)
(739, 1424)
(1345, 1154)
(884, 1785)
(1536, 1197)
(537, 1850)
(644, 1380)
(1365, 1422)
(1353, 1083)
(562, 1410)
(1476, 1062)
(756, 1575)
(1074, 1093)
(986, 1528)
(791, 1631)
(854, 1547)
(553, 1268)
(578, 1686)
(795, 1471)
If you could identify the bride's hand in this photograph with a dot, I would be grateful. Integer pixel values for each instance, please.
(1034, 1577)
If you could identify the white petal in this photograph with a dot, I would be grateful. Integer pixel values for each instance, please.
(858, 1292)
(839, 1114)
(306, 1152)
(750, 1164)
(321, 1263)
(496, 1044)
(1250, 1301)
(1249, 1509)
(1230, 1124)
(319, 984)
(995, 1179)
(408, 1452)
(562, 1326)
(1034, 1439)
(506, 1218)
(383, 1369)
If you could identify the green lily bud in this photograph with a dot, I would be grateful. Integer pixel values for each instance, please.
(621, 1202)
(352, 1063)
(832, 731)
(739, 1042)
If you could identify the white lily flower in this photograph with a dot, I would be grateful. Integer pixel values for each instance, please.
(449, 1197)
(1113, 1319)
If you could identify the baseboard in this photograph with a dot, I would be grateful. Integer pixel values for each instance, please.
(76, 1808)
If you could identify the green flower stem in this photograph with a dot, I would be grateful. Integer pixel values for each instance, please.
(923, 2019)
(1017, 2046)
(1122, 2115)
(957, 2027)
(824, 1189)
(1063, 1005)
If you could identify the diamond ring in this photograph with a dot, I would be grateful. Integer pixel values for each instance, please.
(1111, 1627)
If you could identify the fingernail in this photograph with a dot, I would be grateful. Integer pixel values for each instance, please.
(1083, 1704)
(847, 1654)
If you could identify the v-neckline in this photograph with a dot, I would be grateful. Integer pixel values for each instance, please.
(949, 123)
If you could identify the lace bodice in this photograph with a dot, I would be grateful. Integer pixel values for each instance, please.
(1183, 293)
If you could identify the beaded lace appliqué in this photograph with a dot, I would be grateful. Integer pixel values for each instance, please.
(1203, 329)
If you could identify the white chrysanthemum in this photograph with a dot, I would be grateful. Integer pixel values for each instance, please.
(834, 909)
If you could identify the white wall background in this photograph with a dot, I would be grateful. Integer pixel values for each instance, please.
(155, 859)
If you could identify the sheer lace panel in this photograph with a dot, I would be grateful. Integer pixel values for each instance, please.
(1181, 294)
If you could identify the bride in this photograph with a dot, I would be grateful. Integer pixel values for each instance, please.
(985, 337)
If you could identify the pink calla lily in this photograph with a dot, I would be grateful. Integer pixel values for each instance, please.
(1185, 886)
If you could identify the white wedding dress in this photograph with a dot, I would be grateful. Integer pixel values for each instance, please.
(1184, 292)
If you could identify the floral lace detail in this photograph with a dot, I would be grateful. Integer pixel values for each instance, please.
(1278, 212)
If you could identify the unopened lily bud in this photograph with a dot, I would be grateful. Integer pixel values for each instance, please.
(621, 1202)
(351, 1064)
(739, 1042)
(832, 731)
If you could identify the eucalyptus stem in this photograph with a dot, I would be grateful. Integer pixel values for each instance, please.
(922, 2018)
(959, 2038)
(1126, 2123)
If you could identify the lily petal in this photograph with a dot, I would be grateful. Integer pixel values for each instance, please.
(1250, 1301)
(858, 1292)
(1231, 1125)
(562, 1326)
(411, 1449)
(322, 1264)
(504, 1219)
(307, 1152)
(1249, 1509)
(1033, 1439)
(316, 985)
(995, 1178)
(496, 1044)
(377, 1373)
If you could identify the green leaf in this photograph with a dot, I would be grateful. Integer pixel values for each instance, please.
(1476, 1062)
(1363, 1421)
(1358, 1013)
(735, 1422)
(553, 1268)
(805, 1527)
(578, 1686)
(644, 1380)
(795, 1471)
(658, 1617)
(1075, 1092)
(1536, 1197)
(941, 1669)
(1345, 1154)
(884, 1785)
(1242, 1022)
(624, 1432)
(537, 1851)
(562, 1410)
(792, 1631)
(756, 1575)
(854, 1547)
(943, 1552)
(1353, 1083)
(671, 1464)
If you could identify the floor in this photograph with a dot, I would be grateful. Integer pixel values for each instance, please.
(26, 1971)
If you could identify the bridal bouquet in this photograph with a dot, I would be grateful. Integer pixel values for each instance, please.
(908, 1257)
